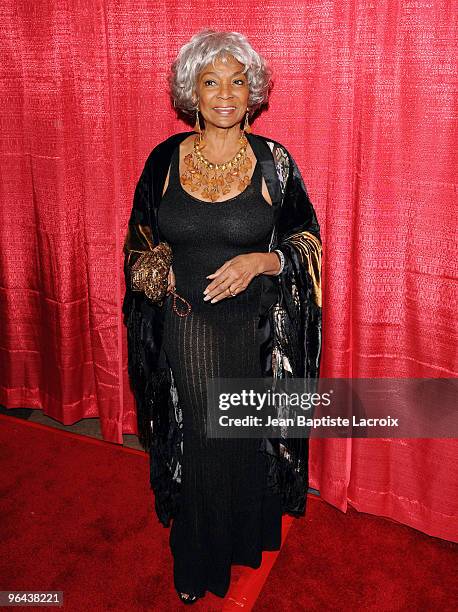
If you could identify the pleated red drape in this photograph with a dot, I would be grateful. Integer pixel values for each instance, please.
(365, 98)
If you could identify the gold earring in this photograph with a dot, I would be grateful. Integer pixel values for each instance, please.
(197, 127)
(246, 126)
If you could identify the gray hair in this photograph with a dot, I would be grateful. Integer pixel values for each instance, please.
(206, 47)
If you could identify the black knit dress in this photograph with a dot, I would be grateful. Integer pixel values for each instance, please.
(226, 514)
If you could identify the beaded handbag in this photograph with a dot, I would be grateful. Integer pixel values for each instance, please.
(149, 273)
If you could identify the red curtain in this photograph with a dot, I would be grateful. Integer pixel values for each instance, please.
(365, 98)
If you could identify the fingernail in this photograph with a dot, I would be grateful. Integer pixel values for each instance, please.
(207, 297)
(213, 300)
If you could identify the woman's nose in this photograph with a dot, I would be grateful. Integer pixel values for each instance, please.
(225, 91)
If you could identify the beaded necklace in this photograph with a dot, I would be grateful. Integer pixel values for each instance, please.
(216, 179)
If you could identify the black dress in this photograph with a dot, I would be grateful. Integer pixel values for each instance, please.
(226, 516)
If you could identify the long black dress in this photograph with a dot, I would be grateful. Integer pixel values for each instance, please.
(227, 516)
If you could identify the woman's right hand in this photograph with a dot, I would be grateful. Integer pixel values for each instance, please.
(171, 280)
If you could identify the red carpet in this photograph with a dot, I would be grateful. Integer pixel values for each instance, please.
(354, 561)
(77, 516)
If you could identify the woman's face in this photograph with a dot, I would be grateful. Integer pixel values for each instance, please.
(223, 93)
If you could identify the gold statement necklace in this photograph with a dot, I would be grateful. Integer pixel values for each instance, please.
(216, 179)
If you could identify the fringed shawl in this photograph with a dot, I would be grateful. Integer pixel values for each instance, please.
(289, 329)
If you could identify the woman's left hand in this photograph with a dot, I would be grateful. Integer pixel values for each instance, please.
(236, 274)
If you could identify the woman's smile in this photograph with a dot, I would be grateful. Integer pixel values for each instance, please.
(224, 110)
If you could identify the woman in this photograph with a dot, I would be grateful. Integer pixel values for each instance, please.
(246, 263)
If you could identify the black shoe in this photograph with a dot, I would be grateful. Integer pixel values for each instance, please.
(188, 598)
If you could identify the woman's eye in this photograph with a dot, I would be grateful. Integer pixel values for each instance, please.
(208, 81)
(241, 81)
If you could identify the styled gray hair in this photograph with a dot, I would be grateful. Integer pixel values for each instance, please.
(206, 47)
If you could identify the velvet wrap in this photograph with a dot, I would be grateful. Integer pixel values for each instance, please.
(289, 328)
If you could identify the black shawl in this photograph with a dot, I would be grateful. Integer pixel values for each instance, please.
(289, 324)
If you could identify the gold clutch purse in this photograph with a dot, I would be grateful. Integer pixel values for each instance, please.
(149, 273)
